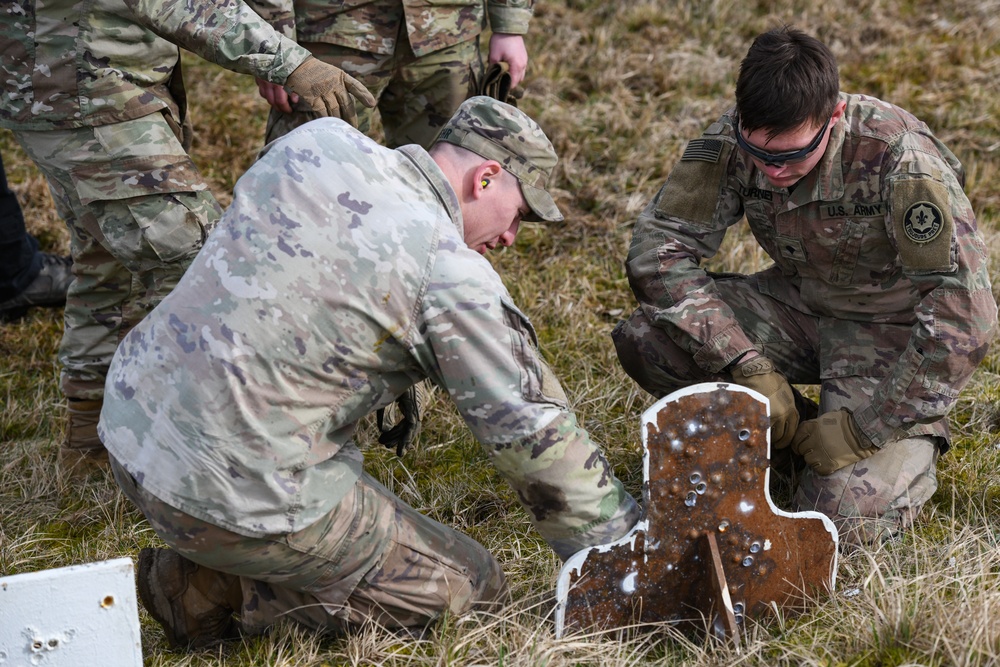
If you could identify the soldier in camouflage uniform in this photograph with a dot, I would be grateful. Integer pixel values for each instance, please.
(94, 96)
(415, 56)
(879, 290)
(343, 273)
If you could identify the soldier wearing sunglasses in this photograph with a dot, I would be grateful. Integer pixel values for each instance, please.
(878, 292)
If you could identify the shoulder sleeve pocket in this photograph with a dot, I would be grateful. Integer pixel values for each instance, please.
(692, 189)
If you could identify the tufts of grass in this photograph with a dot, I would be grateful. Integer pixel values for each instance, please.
(619, 88)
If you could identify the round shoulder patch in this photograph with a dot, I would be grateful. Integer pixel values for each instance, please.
(923, 222)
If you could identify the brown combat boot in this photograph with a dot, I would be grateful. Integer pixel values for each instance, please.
(194, 604)
(82, 451)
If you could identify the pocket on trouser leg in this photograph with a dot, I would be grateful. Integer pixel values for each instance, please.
(156, 238)
(156, 232)
(153, 210)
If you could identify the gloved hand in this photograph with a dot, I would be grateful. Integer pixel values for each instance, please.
(759, 374)
(328, 90)
(495, 83)
(831, 442)
(400, 436)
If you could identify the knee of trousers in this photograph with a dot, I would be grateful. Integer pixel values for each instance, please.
(651, 358)
(483, 572)
(491, 584)
(879, 495)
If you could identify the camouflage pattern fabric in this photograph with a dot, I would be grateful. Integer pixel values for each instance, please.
(416, 96)
(879, 293)
(413, 55)
(107, 61)
(879, 233)
(870, 500)
(372, 557)
(106, 125)
(338, 278)
(380, 26)
(138, 211)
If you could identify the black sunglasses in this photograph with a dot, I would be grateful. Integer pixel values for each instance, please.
(781, 159)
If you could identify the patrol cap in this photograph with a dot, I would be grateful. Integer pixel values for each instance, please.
(501, 132)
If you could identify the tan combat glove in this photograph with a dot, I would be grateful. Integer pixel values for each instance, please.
(759, 374)
(831, 442)
(328, 90)
(494, 83)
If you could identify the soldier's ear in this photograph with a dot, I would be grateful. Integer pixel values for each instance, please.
(838, 112)
(482, 176)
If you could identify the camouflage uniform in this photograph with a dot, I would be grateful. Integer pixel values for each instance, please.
(95, 98)
(415, 56)
(879, 292)
(338, 278)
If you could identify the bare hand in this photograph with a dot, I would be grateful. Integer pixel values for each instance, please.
(276, 96)
(510, 49)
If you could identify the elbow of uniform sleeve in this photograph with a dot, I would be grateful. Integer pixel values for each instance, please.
(642, 269)
(725, 347)
(509, 20)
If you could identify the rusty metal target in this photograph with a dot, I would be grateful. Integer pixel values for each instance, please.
(712, 549)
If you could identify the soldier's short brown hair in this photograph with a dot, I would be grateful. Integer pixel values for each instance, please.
(786, 80)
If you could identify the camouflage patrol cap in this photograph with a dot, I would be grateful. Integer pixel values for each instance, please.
(500, 132)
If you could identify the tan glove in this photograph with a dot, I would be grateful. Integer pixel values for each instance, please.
(831, 442)
(495, 83)
(759, 374)
(328, 90)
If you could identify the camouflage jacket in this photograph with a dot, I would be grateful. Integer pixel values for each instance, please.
(97, 62)
(880, 232)
(337, 278)
(374, 26)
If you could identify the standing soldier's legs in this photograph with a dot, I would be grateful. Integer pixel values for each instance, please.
(137, 212)
(371, 69)
(372, 558)
(425, 91)
(878, 497)
(415, 96)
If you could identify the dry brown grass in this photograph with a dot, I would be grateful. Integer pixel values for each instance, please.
(619, 87)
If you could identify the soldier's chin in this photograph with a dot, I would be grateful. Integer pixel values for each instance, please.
(783, 181)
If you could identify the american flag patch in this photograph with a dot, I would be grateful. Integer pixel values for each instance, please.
(706, 150)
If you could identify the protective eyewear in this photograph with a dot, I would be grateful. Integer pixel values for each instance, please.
(781, 159)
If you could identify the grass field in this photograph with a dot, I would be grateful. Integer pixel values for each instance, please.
(619, 87)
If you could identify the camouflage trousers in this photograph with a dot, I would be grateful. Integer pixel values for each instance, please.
(373, 558)
(137, 211)
(415, 96)
(870, 500)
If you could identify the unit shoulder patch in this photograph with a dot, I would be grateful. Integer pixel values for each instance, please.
(923, 222)
(923, 225)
